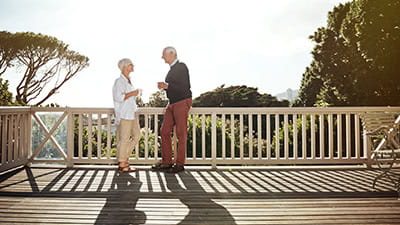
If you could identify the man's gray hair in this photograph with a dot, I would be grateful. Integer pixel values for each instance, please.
(124, 62)
(170, 49)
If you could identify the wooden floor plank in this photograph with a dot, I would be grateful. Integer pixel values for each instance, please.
(102, 196)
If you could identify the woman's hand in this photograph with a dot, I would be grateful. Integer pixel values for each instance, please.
(132, 93)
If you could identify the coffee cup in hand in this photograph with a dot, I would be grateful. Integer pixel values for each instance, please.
(139, 92)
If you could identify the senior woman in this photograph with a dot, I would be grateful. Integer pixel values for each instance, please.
(128, 129)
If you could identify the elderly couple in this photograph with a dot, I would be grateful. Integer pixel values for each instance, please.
(177, 85)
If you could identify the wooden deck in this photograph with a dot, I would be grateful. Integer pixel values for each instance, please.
(197, 196)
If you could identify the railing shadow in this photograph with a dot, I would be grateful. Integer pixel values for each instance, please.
(285, 182)
(209, 195)
(273, 182)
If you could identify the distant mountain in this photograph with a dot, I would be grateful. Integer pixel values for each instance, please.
(289, 94)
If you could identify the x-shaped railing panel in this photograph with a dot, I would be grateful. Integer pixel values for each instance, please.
(49, 135)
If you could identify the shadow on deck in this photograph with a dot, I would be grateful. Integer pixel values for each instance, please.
(197, 196)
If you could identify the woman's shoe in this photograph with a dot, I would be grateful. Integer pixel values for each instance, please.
(126, 169)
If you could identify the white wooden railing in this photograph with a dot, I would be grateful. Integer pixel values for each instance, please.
(336, 136)
(15, 134)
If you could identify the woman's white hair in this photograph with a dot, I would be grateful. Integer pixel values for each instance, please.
(124, 62)
(170, 49)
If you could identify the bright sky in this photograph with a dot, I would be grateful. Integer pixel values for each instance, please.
(261, 44)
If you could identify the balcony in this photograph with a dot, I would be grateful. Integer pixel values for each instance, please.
(245, 166)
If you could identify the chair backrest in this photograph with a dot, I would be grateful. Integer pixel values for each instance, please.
(374, 120)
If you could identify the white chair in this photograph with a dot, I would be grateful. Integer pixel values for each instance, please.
(382, 130)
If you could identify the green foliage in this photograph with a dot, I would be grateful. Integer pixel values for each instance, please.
(158, 99)
(7, 51)
(299, 130)
(228, 137)
(318, 121)
(5, 95)
(237, 96)
(113, 140)
(355, 57)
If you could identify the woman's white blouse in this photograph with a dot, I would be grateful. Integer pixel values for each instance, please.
(124, 109)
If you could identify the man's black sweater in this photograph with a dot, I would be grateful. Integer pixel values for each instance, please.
(178, 83)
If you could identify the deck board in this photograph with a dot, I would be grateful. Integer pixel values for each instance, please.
(197, 196)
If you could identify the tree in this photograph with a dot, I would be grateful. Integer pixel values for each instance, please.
(5, 95)
(158, 99)
(237, 96)
(374, 29)
(7, 52)
(46, 61)
(355, 57)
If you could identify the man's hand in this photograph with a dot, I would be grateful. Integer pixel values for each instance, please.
(162, 85)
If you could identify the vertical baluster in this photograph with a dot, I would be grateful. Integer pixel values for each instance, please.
(223, 137)
(313, 140)
(29, 124)
(295, 147)
(241, 136)
(16, 137)
(348, 137)
(330, 133)
(22, 137)
(23, 133)
(357, 136)
(194, 137)
(108, 136)
(70, 138)
(277, 144)
(80, 136)
(137, 145)
(259, 136)
(156, 136)
(3, 138)
(203, 136)
(146, 136)
(286, 135)
(250, 116)
(304, 135)
(90, 136)
(232, 136)
(213, 140)
(99, 130)
(10, 137)
(339, 136)
(321, 136)
(268, 127)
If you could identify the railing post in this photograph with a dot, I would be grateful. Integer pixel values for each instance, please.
(367, 148)
(70, 138)
(214, 140)
(28, 131)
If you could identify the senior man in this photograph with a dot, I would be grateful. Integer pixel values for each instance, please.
(177, 85)
(128, 129)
